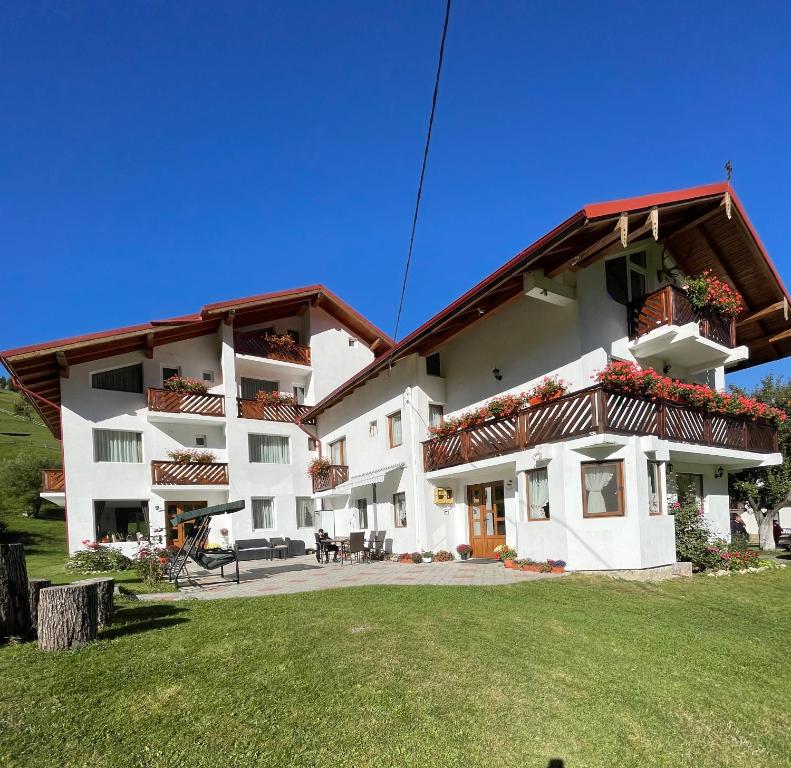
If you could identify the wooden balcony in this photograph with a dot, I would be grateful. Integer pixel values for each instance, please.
(53, 480)
(591, 411)
(258, 344)
(167, 401)
(670, 306)
(252, 409)
(176, 473)
(337, 474)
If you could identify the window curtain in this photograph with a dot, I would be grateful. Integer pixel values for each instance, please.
(127, 379)
(597, 478)
(268, 449)
(395, 427)
(119, 446)
(251, 387)
(304, 512)
(538, 492)
(362, 513)
(399, 507)
(653, 488)
(263, 513)
(337, 451)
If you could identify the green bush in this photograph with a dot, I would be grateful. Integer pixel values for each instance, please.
(97, 559)
(693, 538)
(150, 565)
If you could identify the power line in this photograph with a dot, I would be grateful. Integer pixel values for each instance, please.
(423, 167)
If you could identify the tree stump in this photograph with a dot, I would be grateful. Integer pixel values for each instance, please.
(34, 593)
(67, 617)
(14, 599)
(105, 590)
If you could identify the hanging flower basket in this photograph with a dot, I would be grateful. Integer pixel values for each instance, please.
(319, 467)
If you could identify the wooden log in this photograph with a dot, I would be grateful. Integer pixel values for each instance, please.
(34, 594)
(67, 617)
(14, 599)
(105, 589)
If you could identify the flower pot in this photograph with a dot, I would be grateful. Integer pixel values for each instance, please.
(464, 555)
(510, 564)
(532, 567)
(558, 569)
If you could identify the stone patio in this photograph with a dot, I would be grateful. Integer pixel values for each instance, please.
(304, 574)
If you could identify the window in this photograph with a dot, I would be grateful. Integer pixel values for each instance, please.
(263, 514)
(373, 428)
(435, 414)
(117, 446)
(399, 509)
(626, 277)
(120, 520)
(352, 342)
(394, 429)
(685, 485)
(268, 331)
(208, 376)
(433, 367)
(313, 444)
(655, 501)
(305, 517)
(268, 449)
(250, 387)
(362, 513)
(338, 452)
(537, 494)
(169, 373)
(299, 395)
(294, 335)
(200, 441)
(127, 379)
(602, 489)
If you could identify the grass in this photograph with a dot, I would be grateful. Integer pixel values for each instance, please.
(594, 672)
(33, 435)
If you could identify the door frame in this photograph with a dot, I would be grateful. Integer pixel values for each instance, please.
(483, 545)
(180, 531)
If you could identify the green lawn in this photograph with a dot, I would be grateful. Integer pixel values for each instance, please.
(595, 672)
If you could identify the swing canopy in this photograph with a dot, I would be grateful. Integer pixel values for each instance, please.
(198, 514)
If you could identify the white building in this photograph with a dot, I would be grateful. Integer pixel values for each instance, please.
(103, 395)
(586, 478)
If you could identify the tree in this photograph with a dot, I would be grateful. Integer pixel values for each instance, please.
(23, 409)
(20, 479)
(765, 490)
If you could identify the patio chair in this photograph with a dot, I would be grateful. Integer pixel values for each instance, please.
(379, 541)
(355, 546)
(321, 549)
(280, 547)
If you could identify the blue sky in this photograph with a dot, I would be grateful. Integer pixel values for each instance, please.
(156, 156)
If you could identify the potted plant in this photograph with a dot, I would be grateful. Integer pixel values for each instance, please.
(417, 557)
(557, 566)
(185, 384)
(505, 555)
(274, 398)
(550, 388)
(428, 556)
(443, 556)
(319, 467)
(226, 544)
(709, 294)
(530, 565)
(191, 456)
(464, 550)
(405, 557)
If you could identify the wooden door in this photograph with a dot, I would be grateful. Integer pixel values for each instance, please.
(177, 533)
(486, 511)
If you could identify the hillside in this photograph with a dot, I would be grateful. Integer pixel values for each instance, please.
(18, 434)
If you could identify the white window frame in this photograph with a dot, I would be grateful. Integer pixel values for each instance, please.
(110, 429)
(210, 379)
(274, 513)
(270, 463)
(631, 266)
(297, 501)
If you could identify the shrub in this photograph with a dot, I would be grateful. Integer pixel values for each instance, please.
(185, 384)
(97, 559)
(692, 535)
(443, 556)
(191, 456)
(150, 565)
(416, 557)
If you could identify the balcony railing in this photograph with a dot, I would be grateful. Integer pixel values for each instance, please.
(252, 409)
(594, 410)
(337, 474)
(53, 480)
(167, 401)
(670, 306)
(260, 345)
(177, 473)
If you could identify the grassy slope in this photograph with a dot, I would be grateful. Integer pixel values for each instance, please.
(38, 438)
(594, 672)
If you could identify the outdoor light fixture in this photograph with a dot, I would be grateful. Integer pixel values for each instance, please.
(669, 467)
(666, 368)
(719, 473)
(497, 375)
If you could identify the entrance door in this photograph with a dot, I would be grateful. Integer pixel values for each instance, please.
(486, 510)
(177, 533)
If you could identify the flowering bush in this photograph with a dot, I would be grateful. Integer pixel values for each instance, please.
(274, 398)
(443, 556)
(405, 557)
(707, 292)
(464, 550)
(98, 559)
(504, 552)
(731, 557)
(280, 342)
(185, 384)
(319, 467)
(629, 378)
(550, 388)
(150, 565)
(191, 456)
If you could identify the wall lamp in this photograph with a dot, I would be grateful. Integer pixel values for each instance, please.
(720, 472)
(497, 375)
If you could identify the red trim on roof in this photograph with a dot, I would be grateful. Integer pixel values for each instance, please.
(614, 207)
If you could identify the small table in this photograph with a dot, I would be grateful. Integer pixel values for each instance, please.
(338, 541)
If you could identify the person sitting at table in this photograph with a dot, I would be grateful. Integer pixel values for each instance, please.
(328, 545)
